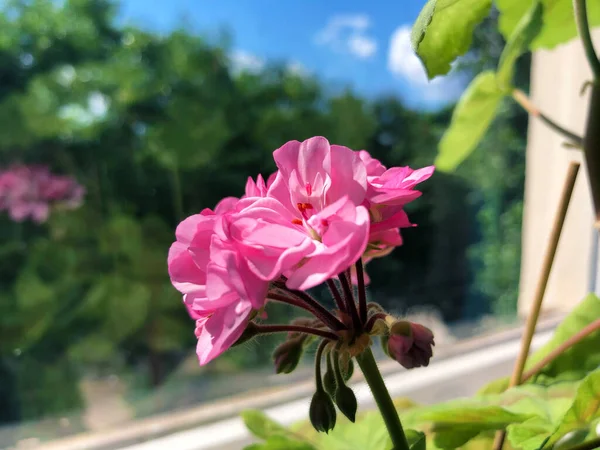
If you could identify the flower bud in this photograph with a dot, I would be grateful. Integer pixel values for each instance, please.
(322, 411)
(346, 401)
(287, 355)
(348, 370)
(329, 382)
(410, 344)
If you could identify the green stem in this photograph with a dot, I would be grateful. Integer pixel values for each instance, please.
(583, 27)
(589, 445)
(369, 368)
(362, 292)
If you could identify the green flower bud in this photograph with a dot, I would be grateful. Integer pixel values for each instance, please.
(346, 402)
(322, 411)
(287, 355)
(329, 379)
(348, 371)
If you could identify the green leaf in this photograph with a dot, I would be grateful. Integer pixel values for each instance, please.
(525, 32)
(471, 118)
(558, 21)
(443, 31)
(260, 425)
(416, 440)
(456, 422)
(280, 443)
(575, 362)
(579, 359)
(585, 408)
(368, 433)
(529, 435)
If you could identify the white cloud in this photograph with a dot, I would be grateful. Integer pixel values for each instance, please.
(242, 61)
(348, 33)
(405, 64)
(297, 68)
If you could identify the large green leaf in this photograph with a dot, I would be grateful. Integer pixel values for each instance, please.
(443, 31)
(471, 118)
(260, 425)
(580, 358)
(584, 410)
(368, 433)
(280, 443)
(526, 30)
(575, 362)
(456, 422)
(559, 24)
(416, 440)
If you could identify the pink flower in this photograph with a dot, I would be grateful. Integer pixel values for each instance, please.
(30, 191)
(218, 330)
(410, 344)
(220, 291)
(259, 188)
(314, 174)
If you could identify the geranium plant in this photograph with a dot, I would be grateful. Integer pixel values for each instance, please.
(328, 210)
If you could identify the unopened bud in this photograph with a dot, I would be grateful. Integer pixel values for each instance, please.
(410, 344)
(322, 411)
(346, 401)
(287, 355)
(347, 370)
(329, 382)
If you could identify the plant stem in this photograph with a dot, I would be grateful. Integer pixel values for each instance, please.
(583, 27)
(318, 310)
(335, 293)
(540, 289)
(588, 445)
(591, 148)
(576, 338)
(521, 98)
(264, 329)
(362, 293)
(350, 305)
(369, 368)
(318, 357)
(291, 301)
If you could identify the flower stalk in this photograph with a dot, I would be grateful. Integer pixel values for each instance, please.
(368, 366)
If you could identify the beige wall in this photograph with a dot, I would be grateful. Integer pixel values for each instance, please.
(557, 77)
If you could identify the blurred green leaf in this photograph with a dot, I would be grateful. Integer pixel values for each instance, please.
(280, 443)
(416, 440)
(260, 425)
(470, 120)
(368, 433)
(558, 19)
(579, 359)
(526, 30)
(584, 409)
(443, 31)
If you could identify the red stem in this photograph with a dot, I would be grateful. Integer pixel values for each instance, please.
(362, 293)
(263, 329)
(319, 310)
(350, 305)
(336, 295)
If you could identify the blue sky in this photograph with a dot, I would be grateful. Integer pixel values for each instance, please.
(363, 45)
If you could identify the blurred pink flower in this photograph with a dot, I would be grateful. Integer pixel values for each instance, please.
(31, 191)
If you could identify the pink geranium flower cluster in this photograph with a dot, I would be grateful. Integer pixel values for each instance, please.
(31, 191)
(326, 208)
